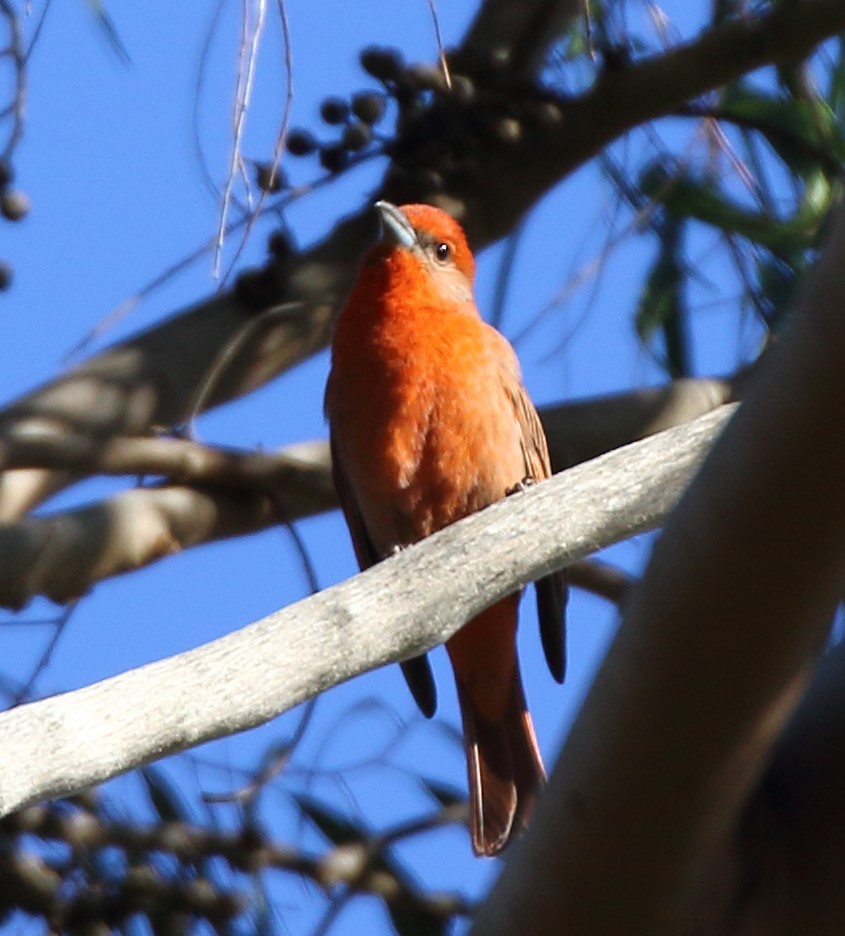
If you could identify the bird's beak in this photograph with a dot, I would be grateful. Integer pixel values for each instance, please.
(395, 227)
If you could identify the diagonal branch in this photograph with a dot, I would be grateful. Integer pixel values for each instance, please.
(395, 610)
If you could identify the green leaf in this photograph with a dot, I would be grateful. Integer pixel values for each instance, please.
(686, 197)
(675, 340)
(661, 306)
(659, 299)
(778, 284)
(798, 130)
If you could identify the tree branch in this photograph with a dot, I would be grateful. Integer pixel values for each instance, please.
(664, 762)
(351, 865)
(152, 379)
(302, 468)
(62, 555)
(395, 610)
(519, 34)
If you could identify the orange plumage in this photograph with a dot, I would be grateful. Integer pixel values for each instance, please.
(429, 422)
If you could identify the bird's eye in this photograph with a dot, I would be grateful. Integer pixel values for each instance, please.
(443, 252)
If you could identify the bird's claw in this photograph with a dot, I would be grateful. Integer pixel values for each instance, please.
(521, 486)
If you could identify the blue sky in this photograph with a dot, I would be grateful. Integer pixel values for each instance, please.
(117, 195)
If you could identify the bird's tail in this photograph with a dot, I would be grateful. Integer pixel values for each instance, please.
(504, 765)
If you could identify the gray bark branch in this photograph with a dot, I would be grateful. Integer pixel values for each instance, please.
(395, 610)
(63, 555)
(660, 796)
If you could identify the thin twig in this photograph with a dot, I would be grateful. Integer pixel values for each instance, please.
(230, 349)
(279, 146)
(15, 50)
(199, 82)
(43, 661)
(441, 50)
(248, 56)
(503, 275)
(279, 759)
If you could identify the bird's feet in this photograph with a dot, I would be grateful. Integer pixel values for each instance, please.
(521, 486)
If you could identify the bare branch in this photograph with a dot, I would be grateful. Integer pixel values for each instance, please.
(395, 610)
(62, 555)
(582, 429)
(85, 830)
(299, 468)
(602, 579)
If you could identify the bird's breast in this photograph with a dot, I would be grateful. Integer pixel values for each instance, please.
(427, 430)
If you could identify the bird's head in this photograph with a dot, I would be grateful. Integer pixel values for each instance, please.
(431, 243)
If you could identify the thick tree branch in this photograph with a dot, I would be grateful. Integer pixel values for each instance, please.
(717, 646)
(395, 610)
(519, 33)
(153, 379)
(302, 469)
(62, 555)
(804, 793)
(582, 429)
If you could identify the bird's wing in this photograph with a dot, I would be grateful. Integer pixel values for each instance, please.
(417, 670)
(365, 551)
(552, 591)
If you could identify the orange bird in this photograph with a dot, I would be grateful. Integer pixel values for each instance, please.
(429, 422)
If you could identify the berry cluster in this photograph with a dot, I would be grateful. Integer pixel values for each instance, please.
(442, 124)
(355, 118)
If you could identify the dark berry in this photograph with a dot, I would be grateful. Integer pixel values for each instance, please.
(14, 205)
(545, 113)
(278, 243)
(334, 157)
(368, 106)
(384, 64)
(425, 77)
(269, 178)
(463, 89)
(301, 143)
(5, 275)
(334, 110)
(507, 130)
(356, 136)
(428, 180)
